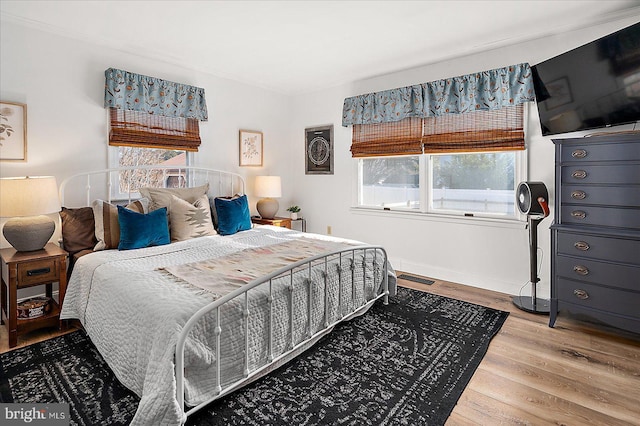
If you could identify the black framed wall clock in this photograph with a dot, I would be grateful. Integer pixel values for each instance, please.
(319, 150)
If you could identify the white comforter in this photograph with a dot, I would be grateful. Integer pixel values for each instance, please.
(134, 312)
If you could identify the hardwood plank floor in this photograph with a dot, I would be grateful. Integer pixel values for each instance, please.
(573, 374)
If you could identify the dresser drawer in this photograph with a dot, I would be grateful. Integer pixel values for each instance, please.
(593, 271)
(600, 216)
(37, 272)
(596, 247)
(606, 174)
(604, 195)
(621, 302)
(600, 152)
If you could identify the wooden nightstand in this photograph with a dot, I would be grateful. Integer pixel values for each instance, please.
(283, 222)
(28, 269)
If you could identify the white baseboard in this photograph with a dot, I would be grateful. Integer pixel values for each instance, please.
(467, 278)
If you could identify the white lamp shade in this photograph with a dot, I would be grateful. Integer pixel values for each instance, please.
(268, 187)
(28, 196)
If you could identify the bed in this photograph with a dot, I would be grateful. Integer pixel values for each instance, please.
(185, 323)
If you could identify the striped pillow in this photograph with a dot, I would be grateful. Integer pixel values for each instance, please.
(107, 226)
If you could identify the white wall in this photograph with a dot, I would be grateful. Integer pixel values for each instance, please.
(466, 251)
(61, 80)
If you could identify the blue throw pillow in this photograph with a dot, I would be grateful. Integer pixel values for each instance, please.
(233, 215)
(138, 230)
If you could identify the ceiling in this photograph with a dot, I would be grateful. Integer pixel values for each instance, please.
(302, 46)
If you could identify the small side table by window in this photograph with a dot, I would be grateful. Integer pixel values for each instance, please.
(302, 221)
(283, 222)
(29, 269)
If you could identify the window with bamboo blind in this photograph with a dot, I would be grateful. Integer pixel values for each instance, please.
(456, 164)
(144, 130)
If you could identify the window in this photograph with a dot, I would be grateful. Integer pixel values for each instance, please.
(481, 183)
(142, 139)
(478, 184)
(129, 181)
(470, 163)
(390, 182)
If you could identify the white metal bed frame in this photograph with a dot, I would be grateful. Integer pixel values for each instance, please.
(347, 256)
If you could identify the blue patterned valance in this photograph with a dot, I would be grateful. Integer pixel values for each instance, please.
(486, 90)
(135, 92)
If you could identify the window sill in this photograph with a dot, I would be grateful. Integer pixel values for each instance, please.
(435, 217)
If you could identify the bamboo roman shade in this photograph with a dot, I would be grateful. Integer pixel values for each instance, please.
(395, 138)
(144, 130)
(495, 130)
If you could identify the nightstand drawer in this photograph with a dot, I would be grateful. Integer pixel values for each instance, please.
(619, 250)
(37, 272)
(609, 274)
(596, 297)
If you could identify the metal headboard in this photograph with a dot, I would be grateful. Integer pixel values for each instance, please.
(103, 183)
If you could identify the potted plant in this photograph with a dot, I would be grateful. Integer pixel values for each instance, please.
(294, 212)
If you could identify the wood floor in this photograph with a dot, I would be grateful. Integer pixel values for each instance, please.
(573, 374)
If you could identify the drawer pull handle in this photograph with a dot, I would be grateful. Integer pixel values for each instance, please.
(579, 153)
(581, 294)
(578, 214)
(578, 195)
(41, 271)
(581, 245)
(579, 174)
(581, 270)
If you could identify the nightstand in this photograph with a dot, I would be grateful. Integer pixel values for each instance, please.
(29, 269)
(283, 222)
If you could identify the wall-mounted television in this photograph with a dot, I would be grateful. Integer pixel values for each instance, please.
(593, 86)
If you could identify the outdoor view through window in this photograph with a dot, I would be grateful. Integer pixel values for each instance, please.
(132, 180)
(467, 183)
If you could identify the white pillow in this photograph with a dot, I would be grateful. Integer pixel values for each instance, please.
(190, 220)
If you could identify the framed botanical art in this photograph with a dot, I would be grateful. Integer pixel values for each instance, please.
(250, 148)
(319, 150)
(13, 131)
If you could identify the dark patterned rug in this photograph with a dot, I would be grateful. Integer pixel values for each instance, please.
(402, 364)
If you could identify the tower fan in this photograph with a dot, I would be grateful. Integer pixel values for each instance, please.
(531, 198)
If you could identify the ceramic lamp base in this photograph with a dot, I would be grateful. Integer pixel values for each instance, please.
(29, 233)
(267, 208)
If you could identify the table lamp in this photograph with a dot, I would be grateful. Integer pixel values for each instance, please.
(268, 188)
(26, 200)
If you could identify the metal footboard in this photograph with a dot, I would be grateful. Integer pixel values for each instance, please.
(345, 261)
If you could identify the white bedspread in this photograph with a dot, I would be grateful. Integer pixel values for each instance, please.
(134, 311)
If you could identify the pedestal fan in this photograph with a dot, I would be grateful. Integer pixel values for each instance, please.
(531, 198)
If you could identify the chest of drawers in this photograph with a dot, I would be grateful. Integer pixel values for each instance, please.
(595, 237)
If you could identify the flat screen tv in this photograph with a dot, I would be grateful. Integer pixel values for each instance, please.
(593, 86)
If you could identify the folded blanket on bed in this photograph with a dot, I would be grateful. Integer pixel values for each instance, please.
(223, 275)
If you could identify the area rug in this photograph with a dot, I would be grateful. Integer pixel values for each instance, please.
(406, 363)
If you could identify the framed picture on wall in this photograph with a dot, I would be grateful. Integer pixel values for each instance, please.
(13, 131)
(250, 148)
(319, 150)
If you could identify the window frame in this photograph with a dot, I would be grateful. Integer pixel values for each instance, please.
(426, 209)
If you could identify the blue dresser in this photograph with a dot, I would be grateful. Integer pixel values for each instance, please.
(595, 237)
